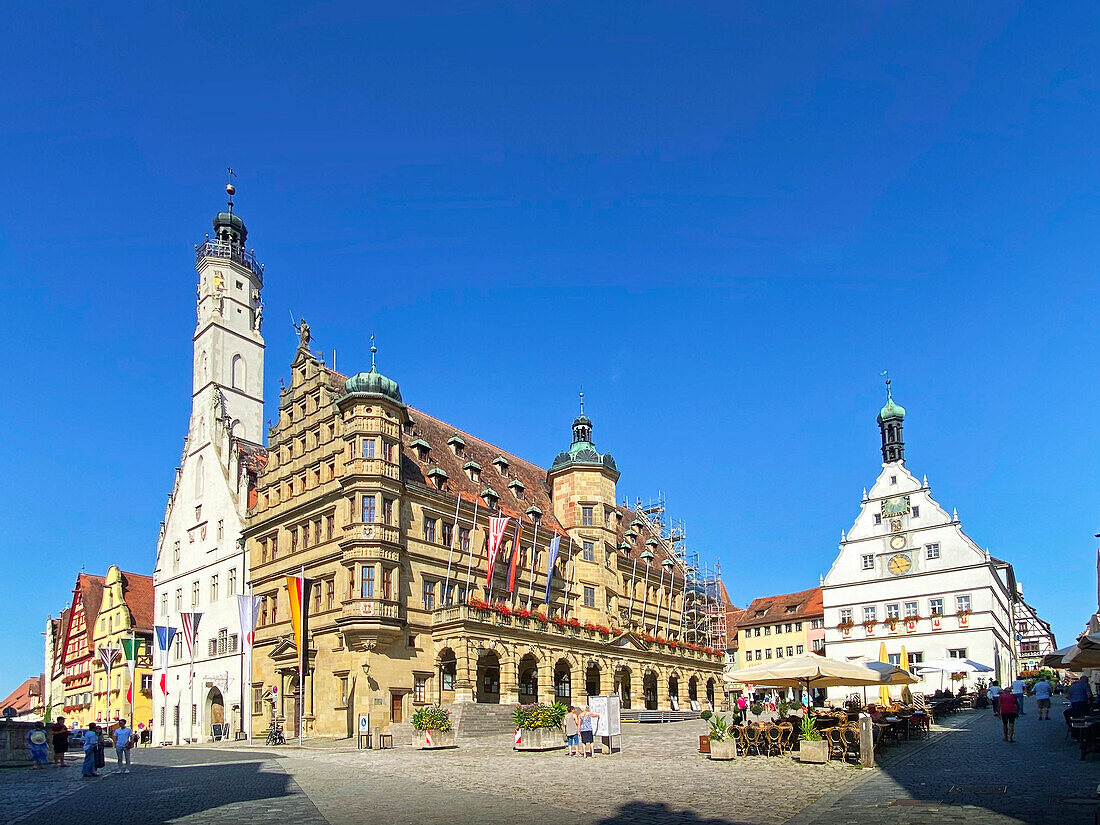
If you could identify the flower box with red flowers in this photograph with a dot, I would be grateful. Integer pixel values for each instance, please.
(523, 613)
(477, 604)
(559, 621)
(501, 609)
(603, 630)
(574, 623)
(590, 626)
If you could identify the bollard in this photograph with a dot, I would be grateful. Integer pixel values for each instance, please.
(866, 741)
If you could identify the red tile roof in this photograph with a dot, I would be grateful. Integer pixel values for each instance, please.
(253, 457)
(734, 617)
(137, 590)
(26, 697)
(805, 604)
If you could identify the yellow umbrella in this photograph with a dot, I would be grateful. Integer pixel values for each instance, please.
(906, 694)
(883, 692)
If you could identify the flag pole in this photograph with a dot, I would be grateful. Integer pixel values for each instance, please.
(660, 593)
(645, 599)
(534, 564)
(633, 580)
(302, 601)
(451, 549)
(470, 552)
(572, 577)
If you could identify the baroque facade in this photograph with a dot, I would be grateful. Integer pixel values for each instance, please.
(201, 565)
(386, 509)
(907, 576)
(125, 615)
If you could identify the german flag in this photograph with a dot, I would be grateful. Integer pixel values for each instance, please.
(298, 589)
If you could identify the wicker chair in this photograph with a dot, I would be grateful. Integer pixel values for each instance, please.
(775, 740)
(741, 737)
(758, 738)
(835, 738)
(787, 737)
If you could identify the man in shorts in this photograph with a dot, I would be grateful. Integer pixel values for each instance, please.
(1009, 708)
(1042, 691)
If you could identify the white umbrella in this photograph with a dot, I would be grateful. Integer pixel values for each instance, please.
(808, 670)
(1083, 654)
(1057, 659)
(953, 666)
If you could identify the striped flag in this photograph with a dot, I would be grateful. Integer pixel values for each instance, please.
(108, 656)
(165, 637)
(129, 653)
(190, 629)
(497, 526)
(551, 559)
(298, 588)
(515, 558)
(248, 607)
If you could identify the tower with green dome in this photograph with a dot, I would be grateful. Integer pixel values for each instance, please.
(890, 419)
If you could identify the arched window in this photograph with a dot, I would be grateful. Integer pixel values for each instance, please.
(237, 429)
(238, 376)
(199, 477)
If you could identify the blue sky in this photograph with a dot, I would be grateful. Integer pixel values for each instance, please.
(723, 219)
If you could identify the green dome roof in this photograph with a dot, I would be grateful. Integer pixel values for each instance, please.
(891, 411)
(373, 383)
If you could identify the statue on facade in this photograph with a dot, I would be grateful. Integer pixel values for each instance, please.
(302, 328)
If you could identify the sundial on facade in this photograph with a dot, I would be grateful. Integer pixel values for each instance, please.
(894, 507)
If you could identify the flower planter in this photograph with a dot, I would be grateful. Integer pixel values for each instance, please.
(722, 751)
(816, 753)
(428, 740)
(540, 739)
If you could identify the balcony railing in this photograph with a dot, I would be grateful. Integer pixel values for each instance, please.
(464, 613)
(230, 252)
(372, 467)
(371, 609)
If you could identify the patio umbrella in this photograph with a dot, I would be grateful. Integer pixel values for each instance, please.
(950, 665)
(1057, 659)
(1086, 653)
(884, 658)
(807, 671)
(906, 694)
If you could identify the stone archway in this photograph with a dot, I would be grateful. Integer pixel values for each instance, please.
(693, 689)
(592, 679)
(649, 690)
(215, 709)
(563, 682)
(528, 671)
(622, 686)
(488, 678)
(447, 667)
(674, 692)
(710, 693)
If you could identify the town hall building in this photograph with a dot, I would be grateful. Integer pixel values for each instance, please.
(909, 577)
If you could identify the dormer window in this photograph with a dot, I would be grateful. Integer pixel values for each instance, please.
(516, 486)
(761, 612)
(438, 477)
(501, 463)
(490, 497)
(791, 608)
(422, 449)
(457, 444)
(473, 470)
(534, 513)
(631, 534)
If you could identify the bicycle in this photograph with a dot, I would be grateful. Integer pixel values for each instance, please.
(275, 736)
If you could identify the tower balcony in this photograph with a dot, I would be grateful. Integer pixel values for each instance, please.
(230, 252)
(357, 468)
(370, 542)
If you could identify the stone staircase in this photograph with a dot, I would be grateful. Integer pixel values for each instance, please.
(476, 721)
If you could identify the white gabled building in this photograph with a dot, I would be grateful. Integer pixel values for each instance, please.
(908, 576)
(201, 564)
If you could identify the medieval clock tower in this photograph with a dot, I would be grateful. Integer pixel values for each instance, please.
(201, 565)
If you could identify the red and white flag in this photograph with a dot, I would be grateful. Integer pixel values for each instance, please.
(190, 629)
(497, 526)
(249, 609)
(515, 558)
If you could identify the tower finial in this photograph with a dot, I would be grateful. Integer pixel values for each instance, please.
(373, 350)
(886, 375)
(582, 399)
(230, 189)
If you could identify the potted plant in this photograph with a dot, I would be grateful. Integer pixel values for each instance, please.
(722, 744)
(538, 726)
(433, 728)
(811, 747)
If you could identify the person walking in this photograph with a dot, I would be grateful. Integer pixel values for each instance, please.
(60, 741)
(90, 744)
(1042, 691)
(38, 742)
(124, 741)
(994, 693)
(588, 727)
(1018, 688)
(743, 708)
(1009, 708)
(572, 731)
(1079, 695)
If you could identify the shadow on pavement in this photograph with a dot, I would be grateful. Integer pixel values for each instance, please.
(216, 793)
(658, 813)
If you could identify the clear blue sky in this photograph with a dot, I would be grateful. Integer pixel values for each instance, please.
(725, 223)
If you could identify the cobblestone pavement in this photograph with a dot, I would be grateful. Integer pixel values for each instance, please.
(966, 775)
(658, 778)
(181, 785)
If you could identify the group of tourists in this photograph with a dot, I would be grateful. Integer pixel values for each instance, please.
(1008, 702)
(94, 741)
(580, 728)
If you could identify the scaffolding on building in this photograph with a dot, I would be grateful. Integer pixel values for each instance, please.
(703, 615)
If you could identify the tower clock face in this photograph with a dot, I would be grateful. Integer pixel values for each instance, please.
(899, 564)
(897, 542)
